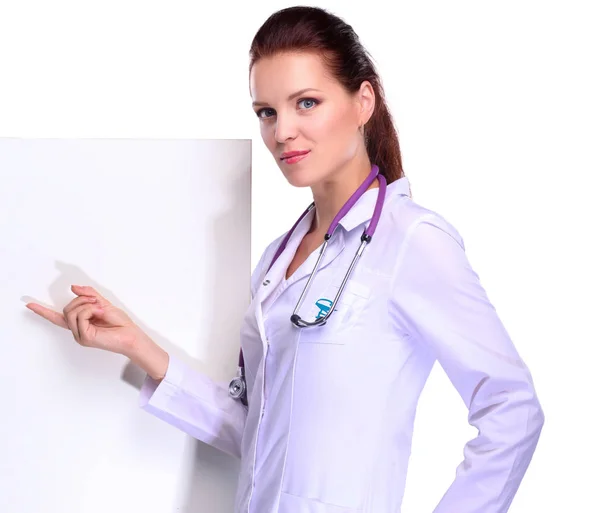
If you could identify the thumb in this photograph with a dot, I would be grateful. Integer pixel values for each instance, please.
(86, 330)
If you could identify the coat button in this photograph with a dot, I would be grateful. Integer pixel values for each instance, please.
(266, 282)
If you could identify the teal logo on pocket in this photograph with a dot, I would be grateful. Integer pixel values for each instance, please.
(324, 305)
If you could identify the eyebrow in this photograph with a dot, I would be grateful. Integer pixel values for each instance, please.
(290, 97)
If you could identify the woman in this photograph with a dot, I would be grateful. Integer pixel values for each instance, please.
(326, 422)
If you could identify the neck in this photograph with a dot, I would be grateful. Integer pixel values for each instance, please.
(331, 195)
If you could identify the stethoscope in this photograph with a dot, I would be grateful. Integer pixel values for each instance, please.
(237, 387)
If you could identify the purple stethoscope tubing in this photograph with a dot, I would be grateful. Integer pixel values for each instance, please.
(237, 387)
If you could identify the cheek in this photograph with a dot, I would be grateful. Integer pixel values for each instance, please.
(336, 127)
(331, 123)
(268, 137)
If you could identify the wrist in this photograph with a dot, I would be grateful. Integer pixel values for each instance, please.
(149, 356)
(136, 345)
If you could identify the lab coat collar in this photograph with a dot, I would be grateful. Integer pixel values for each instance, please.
(362, 211)
(277, 272)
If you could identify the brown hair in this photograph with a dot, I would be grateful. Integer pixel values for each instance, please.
(316, 30)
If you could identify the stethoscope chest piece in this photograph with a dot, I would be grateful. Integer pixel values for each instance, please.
(237, 387)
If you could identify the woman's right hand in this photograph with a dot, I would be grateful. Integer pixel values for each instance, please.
(94, 321)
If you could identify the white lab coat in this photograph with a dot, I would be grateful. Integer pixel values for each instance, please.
(329, 424)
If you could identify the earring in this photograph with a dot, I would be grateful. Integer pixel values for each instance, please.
(361, 129)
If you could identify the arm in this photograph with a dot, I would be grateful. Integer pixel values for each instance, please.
(197, 405)
(189, 400)
(438, 299)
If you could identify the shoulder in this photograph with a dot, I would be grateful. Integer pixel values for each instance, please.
(420, 241)
(410, 222)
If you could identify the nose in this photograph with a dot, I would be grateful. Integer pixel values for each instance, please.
(285, 128)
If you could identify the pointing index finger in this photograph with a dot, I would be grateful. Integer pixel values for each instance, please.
(48, 314)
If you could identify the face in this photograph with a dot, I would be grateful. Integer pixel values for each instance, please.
(301, 108)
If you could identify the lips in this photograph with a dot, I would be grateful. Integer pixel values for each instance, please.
(289, 154)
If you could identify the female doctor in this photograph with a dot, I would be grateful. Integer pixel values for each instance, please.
(350, 309)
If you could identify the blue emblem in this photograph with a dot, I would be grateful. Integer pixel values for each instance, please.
(324, 305)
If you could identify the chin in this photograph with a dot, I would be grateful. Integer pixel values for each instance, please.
(301, 178)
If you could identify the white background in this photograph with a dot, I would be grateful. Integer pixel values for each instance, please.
(497, 109)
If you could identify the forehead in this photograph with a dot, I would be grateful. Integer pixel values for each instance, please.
(274, 78)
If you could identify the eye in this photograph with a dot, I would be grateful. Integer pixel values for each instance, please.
(316, 102)
(269, 112)
(260, 111)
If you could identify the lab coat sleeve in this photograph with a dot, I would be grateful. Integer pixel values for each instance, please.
(196, 404)
(439, 300)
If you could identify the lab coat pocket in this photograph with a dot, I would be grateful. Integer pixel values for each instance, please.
(290, 503)
(347, 312)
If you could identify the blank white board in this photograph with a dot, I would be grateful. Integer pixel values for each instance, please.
(162, 229)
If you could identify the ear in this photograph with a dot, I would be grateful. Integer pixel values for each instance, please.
(365, 98)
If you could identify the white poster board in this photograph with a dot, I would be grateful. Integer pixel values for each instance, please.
(162, 229)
